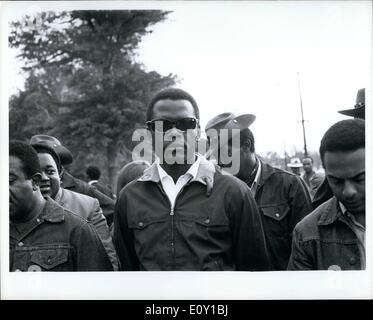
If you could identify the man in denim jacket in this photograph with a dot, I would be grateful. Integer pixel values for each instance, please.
(332, 237)
(281, 196)
(80, 204)
(43, 236)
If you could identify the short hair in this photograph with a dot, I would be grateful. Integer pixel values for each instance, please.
(172, 94)
(46, 149)
(93, 173)
(245, 135)
(345, 135)
(308, 157)
(130, 172)
(28, 156)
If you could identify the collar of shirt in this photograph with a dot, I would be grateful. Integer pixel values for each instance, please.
(258, 173)
(349, 216)
(205, 172)
(192, 171)
(170, 188)
(254, 185)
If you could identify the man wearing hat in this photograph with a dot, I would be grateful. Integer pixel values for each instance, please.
(82, 205)
(358, 111)
(185, 215)
(72, 183)
(281, 196)
(295, 164)
(44, 236)
(324, 192)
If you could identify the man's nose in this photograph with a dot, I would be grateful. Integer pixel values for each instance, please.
(44, 177)
(174, 132)
(349, 189)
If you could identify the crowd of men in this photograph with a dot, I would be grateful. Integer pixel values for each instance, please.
(191, 214)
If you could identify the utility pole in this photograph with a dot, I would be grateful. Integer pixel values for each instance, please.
(301, 110)
(285, 158)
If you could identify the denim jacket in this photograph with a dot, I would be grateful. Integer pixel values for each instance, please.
(207, 230)
(324, 241)
(283, 201)
(57, 240)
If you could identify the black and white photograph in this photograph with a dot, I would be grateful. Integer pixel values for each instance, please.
(217, 145)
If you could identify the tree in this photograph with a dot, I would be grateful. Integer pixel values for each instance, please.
(82, 67)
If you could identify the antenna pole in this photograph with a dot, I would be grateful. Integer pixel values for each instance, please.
(301, 110)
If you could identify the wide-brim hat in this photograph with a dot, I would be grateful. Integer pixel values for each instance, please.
(52, 143)
(359, 109)
(228, 120)
(295, 163)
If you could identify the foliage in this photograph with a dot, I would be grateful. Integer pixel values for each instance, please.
(84, 85)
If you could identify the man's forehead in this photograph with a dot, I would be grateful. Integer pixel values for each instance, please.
(339, 157)
(347, 163)
(15, 166)
(172, 107)
(15, 162)
(46, 158)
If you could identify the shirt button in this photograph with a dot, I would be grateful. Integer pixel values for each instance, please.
(141, 224)
(277, 215)
(20, 244)
(37, 220)
(352, 260)
(207, 220)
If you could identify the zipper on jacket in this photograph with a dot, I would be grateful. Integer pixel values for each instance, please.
(172, 213)
(172, 239)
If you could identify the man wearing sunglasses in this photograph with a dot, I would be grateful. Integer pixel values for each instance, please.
(182, 213)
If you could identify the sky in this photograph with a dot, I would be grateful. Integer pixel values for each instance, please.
(259, 57)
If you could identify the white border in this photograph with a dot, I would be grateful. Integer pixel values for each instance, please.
(170, 285)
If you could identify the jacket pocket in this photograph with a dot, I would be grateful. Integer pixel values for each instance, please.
(276, 223)
(278, 212)
(49, 259)
(151, 236)
(206, 231)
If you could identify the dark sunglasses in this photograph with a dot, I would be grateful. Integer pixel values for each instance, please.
(163, 125)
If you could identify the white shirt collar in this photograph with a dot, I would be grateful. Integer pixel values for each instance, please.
(192, 171)
(258, 173)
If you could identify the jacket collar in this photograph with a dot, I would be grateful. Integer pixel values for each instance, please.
(52, 211)
(266, 171)
(330, 212)
(206, 171)
(67, 180)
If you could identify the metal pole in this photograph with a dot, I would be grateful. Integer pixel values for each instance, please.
(301, 110)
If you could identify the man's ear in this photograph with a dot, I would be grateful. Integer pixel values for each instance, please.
(36, 178)
(246, 145)
(61, 172)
